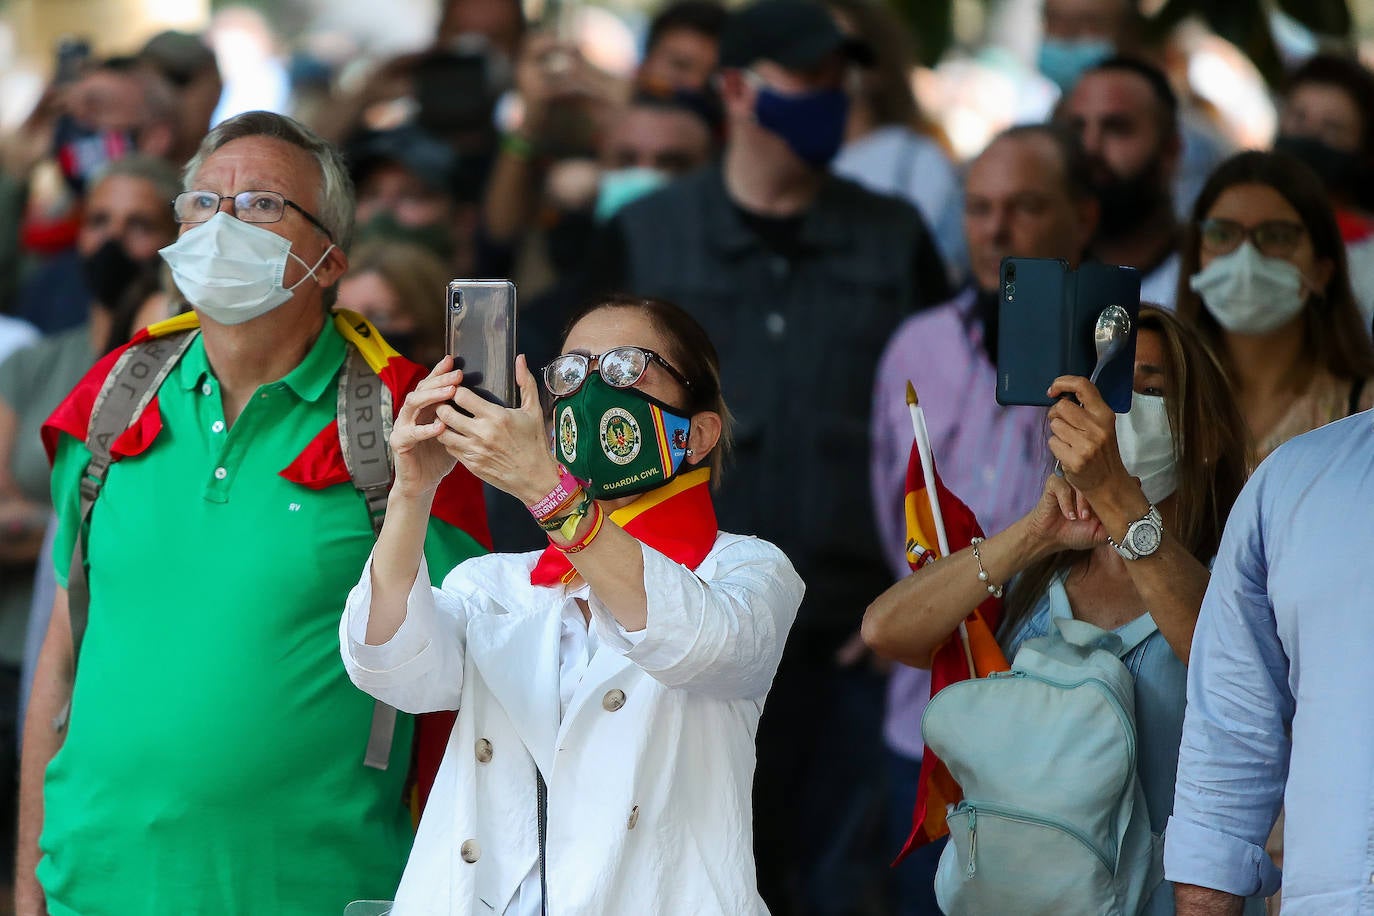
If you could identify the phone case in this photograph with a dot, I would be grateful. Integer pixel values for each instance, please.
(1046, 317)
(481, 337)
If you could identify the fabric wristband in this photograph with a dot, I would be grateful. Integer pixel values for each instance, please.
(598, 519)
(558, 498)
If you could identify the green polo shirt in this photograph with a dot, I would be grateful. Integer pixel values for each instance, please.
(213, 760)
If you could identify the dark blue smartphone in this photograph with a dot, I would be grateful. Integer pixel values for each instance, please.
(1046, 318)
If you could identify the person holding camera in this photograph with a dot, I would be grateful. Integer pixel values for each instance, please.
(1121, 541)
(609, 686)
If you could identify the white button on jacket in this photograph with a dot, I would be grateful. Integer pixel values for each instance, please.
(650, 770)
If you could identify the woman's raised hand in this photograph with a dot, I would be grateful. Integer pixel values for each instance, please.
(422, 461)
(1063, 520)
(507, 447)
(1083, 437)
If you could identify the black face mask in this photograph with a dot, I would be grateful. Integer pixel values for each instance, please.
(109, 271)
(1341, 171)
(1124, 202)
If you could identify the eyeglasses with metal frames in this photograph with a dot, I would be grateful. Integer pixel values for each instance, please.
(620, 367)
(249, 206)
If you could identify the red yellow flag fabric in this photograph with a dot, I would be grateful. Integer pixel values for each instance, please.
(678, 520)
(937, 787)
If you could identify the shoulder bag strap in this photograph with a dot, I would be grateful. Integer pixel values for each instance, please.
(126, 392)
(364, 434)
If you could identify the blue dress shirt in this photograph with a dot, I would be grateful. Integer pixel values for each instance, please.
(1283, 648)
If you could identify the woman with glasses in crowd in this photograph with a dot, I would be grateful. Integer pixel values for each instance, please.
(1264, 277)
(1175, 463)
(608, 687)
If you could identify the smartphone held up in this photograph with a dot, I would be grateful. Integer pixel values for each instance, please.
(1055, 321)
(480, 336)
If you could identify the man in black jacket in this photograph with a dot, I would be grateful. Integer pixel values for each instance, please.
(799, 277)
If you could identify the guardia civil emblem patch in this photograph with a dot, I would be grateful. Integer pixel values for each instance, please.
(620, 436)
(567, 435)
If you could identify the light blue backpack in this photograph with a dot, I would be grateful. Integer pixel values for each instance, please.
(1053, 819)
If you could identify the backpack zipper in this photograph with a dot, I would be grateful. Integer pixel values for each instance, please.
(1013, 815)
(1117, 706)
(542, 794)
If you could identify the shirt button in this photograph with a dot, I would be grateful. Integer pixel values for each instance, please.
(775, 324)
(207, 389)
(263, 396)
(634, 818)
(470, 851)
(483, 750)
(613, 700)
(217, 426)
(221, 473)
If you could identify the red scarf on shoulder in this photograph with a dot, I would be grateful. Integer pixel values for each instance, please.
(677, 519)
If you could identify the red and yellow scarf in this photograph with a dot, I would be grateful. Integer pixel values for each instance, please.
(678, 520)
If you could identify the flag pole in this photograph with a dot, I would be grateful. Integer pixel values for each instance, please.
(922, 435)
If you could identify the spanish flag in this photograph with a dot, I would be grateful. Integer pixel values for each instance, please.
(950, 662)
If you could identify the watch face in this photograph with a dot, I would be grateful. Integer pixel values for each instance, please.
(1145, 538)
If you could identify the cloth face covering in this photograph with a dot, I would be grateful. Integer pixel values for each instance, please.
(810, 123)
(109, 271)
(82, 151)
(1065, 60)
(232, 271)
(620, 439)
(1147, 446)
(624, 186)
(1248, 293)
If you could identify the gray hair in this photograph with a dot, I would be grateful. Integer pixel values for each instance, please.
(157, 172)
(336, 188)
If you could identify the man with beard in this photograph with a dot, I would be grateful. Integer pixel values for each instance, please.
(1025, 196)
(1126, 116)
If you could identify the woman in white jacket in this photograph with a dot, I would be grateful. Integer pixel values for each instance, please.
(608, 688)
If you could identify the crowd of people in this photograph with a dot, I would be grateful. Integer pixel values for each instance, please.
(291, 618)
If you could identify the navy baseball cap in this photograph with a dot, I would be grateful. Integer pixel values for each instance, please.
(796, 34)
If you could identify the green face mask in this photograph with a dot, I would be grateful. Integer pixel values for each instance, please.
(620, 439)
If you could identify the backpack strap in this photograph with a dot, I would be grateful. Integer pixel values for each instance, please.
(127, 391)
(365, 408)
(364, 434)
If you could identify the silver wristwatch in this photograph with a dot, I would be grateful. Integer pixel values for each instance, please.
(1143, 536)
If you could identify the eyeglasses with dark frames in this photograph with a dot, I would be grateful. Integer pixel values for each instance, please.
(620, 367)
(249, 206)
(1274, 238)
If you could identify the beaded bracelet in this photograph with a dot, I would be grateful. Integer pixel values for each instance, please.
(598, 519)
(993, 590)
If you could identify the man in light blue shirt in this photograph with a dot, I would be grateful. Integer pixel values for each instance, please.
(1281, 691)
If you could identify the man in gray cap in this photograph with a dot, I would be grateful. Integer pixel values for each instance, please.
(800, 277)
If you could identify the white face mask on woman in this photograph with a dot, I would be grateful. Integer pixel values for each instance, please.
(1248, 293)
(1147, 446)
(232, 270)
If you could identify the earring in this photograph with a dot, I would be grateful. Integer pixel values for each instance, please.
(690, 453)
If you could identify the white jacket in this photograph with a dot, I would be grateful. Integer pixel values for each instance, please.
(650, 772)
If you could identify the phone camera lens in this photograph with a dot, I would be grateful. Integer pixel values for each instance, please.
(1011, 272)
(1011, 290)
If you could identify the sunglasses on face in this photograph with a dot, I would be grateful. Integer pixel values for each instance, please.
(621, 367)
(1274, 238)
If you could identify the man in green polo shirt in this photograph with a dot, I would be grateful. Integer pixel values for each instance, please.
(212, 761)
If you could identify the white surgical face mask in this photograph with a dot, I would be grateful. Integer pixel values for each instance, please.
(1248, 293)
(1147, 446)
(232, 271)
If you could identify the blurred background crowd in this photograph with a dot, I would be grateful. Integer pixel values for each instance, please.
(544, 141)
